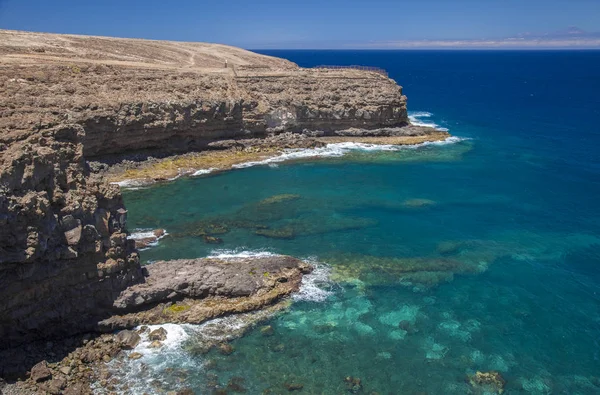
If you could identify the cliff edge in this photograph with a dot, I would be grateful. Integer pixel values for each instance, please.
(132, 95)
(64, 253)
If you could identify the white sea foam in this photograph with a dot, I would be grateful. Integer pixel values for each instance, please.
(141, 234)
(176, 335)
(316, 286)
(137, 374)
(416, 118)
(203, 172)
(134, 183)
(239, 253)
(334, 150)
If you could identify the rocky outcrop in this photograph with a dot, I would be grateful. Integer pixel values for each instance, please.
(206, 288)
(177, 97)
(296, 101)
(64, 252)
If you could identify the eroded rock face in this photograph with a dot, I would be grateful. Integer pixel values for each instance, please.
(65, 259)
(325, 100)
(58, 226)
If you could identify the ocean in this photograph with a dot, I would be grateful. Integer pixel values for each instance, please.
(434, 262)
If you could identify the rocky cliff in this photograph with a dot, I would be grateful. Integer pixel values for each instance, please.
(132, 95)
(64, 254)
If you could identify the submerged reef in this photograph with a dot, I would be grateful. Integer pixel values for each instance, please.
(424, 272)
(284, 216)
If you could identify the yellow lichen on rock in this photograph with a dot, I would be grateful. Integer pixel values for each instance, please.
(176, 309)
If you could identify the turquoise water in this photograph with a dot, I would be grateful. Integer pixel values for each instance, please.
(435, 261)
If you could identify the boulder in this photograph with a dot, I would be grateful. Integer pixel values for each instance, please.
(127, 339)
(41, 372)
(73, 236)
(226, 348)
(101, 218)
(159, 334)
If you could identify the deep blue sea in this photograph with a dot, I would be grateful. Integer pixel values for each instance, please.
(434, 262)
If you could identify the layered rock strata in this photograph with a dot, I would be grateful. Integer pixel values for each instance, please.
(64, 253)
(165, 100)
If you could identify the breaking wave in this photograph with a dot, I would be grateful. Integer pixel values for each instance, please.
(141, 234)
(335, 150)
(133, 184)
(316, 286)
(239, 253)
(203, 172)
(416, 118)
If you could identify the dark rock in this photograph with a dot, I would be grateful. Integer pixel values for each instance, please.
(353, 384)
(267, 330)
(226, 348)
(159, 334)
(285, 233)
(235, 384)
(407, 326)
(212, 240)
(143, 329)
(293, 386)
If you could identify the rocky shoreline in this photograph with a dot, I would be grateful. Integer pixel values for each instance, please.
(181, 291)
(79, 113)
(227, 154)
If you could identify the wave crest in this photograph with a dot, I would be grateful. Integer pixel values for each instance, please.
(416, 118)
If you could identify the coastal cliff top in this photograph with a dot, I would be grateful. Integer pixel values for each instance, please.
(34, 48)
(51, 79)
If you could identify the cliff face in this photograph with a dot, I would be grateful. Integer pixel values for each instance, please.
(64, 256)
(131, 95)
(261, 105)
(63, 246)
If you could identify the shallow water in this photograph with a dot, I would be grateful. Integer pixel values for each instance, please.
(434, 261)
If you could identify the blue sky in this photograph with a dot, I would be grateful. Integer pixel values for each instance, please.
(303, 24)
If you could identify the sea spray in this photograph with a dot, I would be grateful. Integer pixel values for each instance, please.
(316, 286)
(336, 150)
(416, 118)
(149, 238)
(155, 369)
(202, 172)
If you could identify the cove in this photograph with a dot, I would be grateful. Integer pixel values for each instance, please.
(435, 262)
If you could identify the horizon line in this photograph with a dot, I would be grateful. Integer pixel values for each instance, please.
(505, 44)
